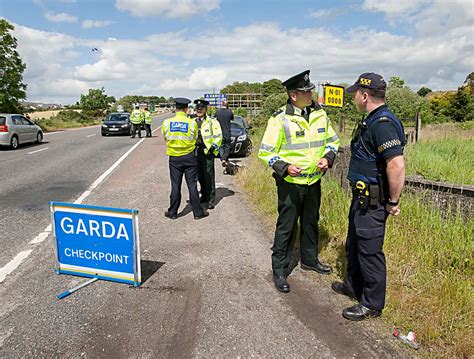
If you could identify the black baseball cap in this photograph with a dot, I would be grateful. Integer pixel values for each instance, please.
(201, 103)
(299, 82)
(368, 80)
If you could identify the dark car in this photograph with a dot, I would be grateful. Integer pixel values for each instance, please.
(116, 123)
(240, 144)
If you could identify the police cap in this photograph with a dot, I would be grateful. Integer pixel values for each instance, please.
(368, 80)
(201, 103)
(299, 82)
(182, 102)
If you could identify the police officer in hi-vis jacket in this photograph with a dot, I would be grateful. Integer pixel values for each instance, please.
(300, 145)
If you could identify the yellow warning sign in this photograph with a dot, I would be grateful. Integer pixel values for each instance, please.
(333, 96)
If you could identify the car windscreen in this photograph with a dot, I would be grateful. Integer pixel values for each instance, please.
(118, 118)
(236, 125)
(240, 120)
(2, 121)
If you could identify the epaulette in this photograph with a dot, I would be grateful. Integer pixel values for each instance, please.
(277, 112)
(383, 119)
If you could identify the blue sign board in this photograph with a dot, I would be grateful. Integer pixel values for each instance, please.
(97, 242)
(215, 99)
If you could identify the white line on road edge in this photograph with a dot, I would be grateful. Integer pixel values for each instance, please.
(46, 148)
(20, 257)
(13, 264)
(94, 134)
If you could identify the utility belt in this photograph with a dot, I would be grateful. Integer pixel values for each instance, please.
(368, 195)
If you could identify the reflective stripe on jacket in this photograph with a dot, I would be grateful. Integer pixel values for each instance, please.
(294, 140)
(147, 117)
(136, 117)
(211, 135)
(180, 134)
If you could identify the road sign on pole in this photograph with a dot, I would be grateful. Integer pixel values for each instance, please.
(333, 95)
(215, 99)
(97, 242)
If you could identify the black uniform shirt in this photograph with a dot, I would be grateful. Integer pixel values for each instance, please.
(224, 116)
(382, 138)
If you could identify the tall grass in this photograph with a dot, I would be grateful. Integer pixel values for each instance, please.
(429, 257)
(444, 153)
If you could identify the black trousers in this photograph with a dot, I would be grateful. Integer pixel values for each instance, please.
(296, 202)
(135, 128)
(186, 165)
(148, 129)
(224, 150)
(206, 176)
(366, 268)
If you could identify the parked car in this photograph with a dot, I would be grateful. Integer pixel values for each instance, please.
(116, 123)
(16, 129)
(240, 144)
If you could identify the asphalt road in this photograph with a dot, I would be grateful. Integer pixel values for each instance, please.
(207, 289)
(59, 169)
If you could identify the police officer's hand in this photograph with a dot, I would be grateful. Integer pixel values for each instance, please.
(294, 171)
(393, 210)
(323, 164)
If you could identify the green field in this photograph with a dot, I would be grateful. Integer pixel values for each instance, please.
(429, 256)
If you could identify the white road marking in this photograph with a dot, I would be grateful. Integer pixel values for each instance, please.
(92, 135)
(13, 264)
(20, 257)
(43, 149)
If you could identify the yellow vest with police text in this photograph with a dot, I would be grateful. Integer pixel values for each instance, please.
(147, 117)
(180, 134)
(211, 135)
(136, 117)
(299, 142)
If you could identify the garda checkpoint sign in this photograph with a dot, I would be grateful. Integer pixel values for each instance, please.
(215, 99)
(97, 242)
(333, 96)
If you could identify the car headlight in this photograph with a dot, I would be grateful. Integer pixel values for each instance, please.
(242, 138)
(123, 126)
(104, 125)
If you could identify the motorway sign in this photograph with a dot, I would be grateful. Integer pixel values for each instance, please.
(215, 99)
(333, 95)
(97, 242)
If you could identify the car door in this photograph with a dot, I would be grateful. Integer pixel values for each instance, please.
(18, 128)
(30, 129)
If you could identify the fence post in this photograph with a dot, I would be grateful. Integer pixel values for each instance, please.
(341, 122)
(417, 126)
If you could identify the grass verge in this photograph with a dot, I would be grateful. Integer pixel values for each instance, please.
(429, 260)
(67, 119)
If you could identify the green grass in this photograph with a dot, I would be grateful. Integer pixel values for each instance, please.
(444, 153)
(67, 119)
(429, 258)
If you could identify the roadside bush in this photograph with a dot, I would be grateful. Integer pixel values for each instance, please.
(240, 111)
(66, 119)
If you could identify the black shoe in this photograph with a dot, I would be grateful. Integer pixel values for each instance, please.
(204, 215)
(319, 267)
(281, 283)
(359, 312)
(132, 136)
(171, 216)
(210, 205)
(340, 288)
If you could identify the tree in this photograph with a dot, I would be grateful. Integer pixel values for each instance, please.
(95, 100)
(424, 91)
(273, 86)
(396, 82)
(461, 106)
(403, 102)
(12, 89)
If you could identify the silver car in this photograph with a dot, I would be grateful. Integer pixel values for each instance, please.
(16, 129)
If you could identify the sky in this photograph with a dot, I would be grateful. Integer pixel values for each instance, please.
(191, 47)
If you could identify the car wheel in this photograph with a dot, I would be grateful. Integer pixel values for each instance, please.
(39, 137)
(248, 151)
(14, 142)
(103, 134)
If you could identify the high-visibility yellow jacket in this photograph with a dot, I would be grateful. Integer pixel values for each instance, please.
(147, 117)
(211, 135)
(136, 117)
(180, 134)
(290, 139)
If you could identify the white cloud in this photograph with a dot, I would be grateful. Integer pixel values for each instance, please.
(89, 24)
(60, 17)
(167, 8)
(207, 78)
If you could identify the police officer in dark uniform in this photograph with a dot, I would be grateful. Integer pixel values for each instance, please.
(180, 133)
(377, 175)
